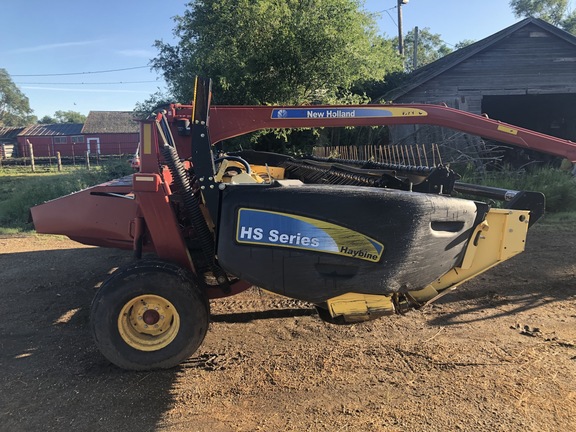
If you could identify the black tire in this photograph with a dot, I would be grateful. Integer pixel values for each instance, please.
(149, 315)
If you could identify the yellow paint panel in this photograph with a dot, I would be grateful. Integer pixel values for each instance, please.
(508, 130)
(147, 138)
(406, 112)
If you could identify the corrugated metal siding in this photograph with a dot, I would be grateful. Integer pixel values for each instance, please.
(58, 129)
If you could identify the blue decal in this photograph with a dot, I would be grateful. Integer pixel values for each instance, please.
(341, 112)
(298, 232)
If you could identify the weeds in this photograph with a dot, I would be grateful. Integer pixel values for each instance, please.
(558, 186)
(21, 189)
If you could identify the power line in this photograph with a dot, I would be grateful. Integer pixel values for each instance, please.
(83, 83)
(390, 16)
(83, 73)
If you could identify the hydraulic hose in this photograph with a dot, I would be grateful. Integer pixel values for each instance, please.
(192, 211)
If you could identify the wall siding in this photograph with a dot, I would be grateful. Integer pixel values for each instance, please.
(519, 64)
(529, 61)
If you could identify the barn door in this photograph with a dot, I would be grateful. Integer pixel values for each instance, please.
(93, 145)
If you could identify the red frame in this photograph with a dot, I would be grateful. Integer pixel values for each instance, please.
(230, 121)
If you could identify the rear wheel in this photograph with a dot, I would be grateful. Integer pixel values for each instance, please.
(149, 315)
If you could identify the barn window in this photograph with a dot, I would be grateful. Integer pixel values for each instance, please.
(77, 139)
(60, 140)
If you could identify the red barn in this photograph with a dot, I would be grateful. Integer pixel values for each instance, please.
(46, 140)
(111, 132)
(104, 132)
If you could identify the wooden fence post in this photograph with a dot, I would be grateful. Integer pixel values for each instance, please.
(31, 149)
(88, 160)
(59, 160)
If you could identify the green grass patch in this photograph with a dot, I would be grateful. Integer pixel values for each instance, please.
(558, 186)
(20, 189)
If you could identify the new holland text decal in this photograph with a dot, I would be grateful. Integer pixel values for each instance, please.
(297, 232)
(336, 113)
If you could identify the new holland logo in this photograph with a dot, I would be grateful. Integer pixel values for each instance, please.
(330, 114)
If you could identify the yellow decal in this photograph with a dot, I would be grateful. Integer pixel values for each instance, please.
(147, 138)
(508, 130)
(407, 112)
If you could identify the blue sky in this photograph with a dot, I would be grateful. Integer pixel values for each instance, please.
(61, 37)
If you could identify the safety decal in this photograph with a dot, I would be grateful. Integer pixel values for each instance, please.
(339, 113)
(508, 129)
(270, 228)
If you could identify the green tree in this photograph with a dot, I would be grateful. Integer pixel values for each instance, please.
(569, 22)
(47, 120)
(430, 48)
(556, 12)
(14, 106)
(463, 44)
(154, 101)
(63, 117)
(275, 51)
(552, 11)
(69, 117)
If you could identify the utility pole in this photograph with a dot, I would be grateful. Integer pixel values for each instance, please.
(415, 57)
(400, 31)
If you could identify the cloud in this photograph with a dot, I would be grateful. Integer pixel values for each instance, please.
(53, 46)
(141, 53)
(84, 90)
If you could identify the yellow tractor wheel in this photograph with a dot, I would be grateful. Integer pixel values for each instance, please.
(149, 315)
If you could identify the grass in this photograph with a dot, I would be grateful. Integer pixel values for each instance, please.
(20, 189)
(558, 186)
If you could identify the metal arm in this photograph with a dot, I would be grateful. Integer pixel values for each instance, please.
(230, 121)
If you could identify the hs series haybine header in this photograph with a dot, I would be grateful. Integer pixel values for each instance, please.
(359, 239)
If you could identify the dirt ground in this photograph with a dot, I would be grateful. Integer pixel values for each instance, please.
(499, 354)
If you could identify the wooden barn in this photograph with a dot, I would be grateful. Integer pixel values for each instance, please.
(49, 139)
(524, 75)
(111, 132)
(9, 141)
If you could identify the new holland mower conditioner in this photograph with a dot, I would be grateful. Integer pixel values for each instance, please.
(357, 238)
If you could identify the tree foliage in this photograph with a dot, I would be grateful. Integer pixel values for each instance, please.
(430, 48)
(549, 10)
(275, 51)
(47, 120)
(69, 117)
(14, 106)
(154, 101)
(63, 117)
(556, 12)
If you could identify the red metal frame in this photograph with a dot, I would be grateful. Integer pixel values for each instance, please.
(230, 121)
